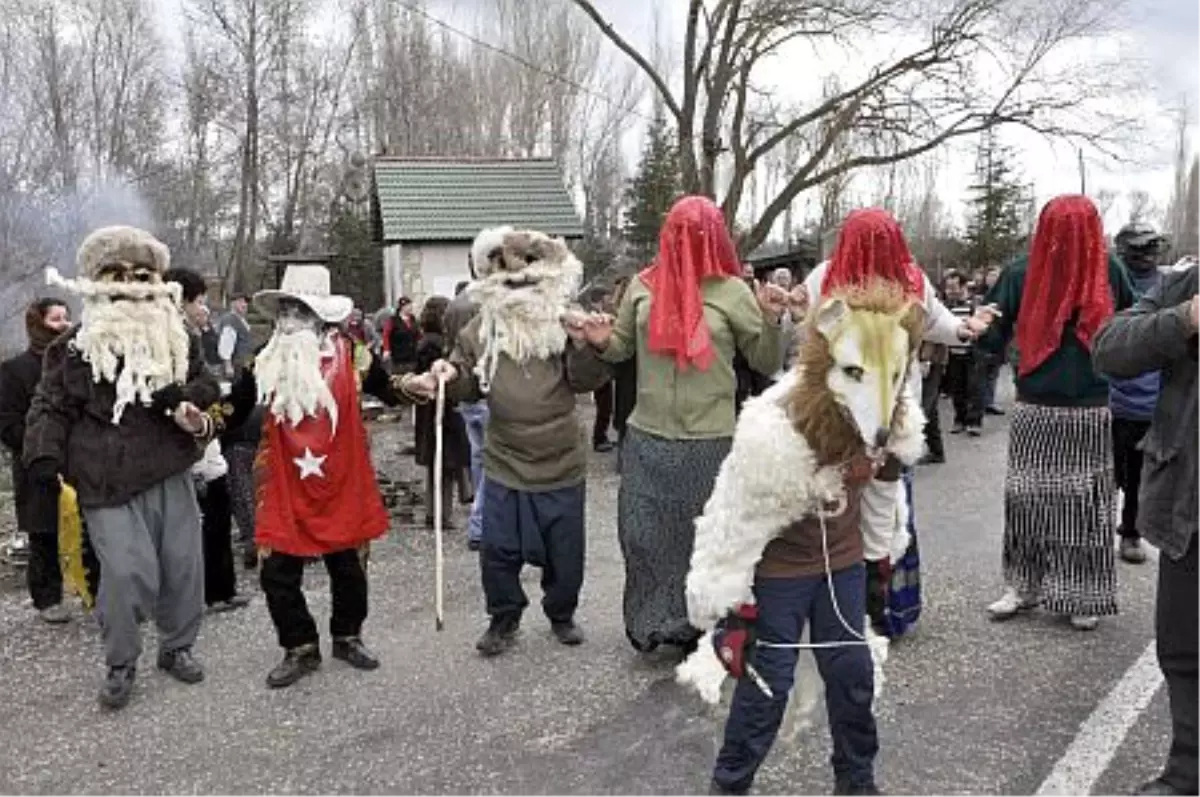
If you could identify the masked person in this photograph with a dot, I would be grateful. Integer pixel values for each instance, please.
(516, 352)
(117, 413)
(45, 320)
(317, 492)
(1132, 401)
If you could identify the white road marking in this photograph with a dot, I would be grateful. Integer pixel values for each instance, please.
(1103, 732)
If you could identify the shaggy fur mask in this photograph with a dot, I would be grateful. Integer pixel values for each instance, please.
(526, 279)
(131, 331)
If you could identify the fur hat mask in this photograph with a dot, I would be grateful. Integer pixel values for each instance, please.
(119, 263)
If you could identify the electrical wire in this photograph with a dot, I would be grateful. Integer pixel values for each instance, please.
(522, 61)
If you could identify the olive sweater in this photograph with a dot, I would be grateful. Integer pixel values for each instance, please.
(1066, 378)
(692, 404)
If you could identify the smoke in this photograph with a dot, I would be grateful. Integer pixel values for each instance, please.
(37, 231)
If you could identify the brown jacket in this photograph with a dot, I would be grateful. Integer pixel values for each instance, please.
(70, 423)
(533, 441)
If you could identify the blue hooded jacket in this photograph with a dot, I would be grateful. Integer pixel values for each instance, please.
(1134, 399)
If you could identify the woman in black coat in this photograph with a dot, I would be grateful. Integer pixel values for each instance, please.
(45, 320)
(456, 451)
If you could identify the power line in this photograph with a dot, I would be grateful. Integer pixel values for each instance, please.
(522, 61)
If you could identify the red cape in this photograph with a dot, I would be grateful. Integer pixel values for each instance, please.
(317, 492)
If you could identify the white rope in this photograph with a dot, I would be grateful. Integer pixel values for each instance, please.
(438, 509)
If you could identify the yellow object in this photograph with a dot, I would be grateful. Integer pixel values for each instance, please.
(70, 545)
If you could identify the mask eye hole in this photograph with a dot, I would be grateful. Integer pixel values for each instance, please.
(853, 372)
(530, 259)
(142, 275)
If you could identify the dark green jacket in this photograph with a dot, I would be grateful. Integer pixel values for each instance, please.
(1067, 378)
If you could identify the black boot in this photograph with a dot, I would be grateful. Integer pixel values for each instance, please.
(297, 663)
(567, 633)
(180, 665)
(500, 636)
(352, 651)
(843, 787)
(118, 686)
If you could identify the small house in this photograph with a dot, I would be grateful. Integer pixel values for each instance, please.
(429, 210)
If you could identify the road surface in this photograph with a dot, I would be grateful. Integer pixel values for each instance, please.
(971, 707)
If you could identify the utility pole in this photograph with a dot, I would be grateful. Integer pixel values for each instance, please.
(1082, 174)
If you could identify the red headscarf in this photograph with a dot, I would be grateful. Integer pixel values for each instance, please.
(693, 246)
(872, 246)
(1067, 277)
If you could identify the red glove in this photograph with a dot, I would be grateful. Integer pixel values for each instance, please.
(735, 637)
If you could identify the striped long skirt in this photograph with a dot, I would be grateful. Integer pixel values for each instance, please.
(1060, 508)
(894, 590)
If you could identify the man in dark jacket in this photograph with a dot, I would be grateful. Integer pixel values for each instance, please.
(117, 412)
(45, 320)
(1132, 400)
(1158, 334)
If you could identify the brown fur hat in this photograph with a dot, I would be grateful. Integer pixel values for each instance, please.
(507, 249)
(121, 245)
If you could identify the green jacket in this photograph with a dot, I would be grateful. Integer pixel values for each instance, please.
(1067, 378)
(692, 404)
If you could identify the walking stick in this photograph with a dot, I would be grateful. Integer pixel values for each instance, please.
(438, 509)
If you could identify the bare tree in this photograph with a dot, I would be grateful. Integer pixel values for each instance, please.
(905, 105)
(1140, 206)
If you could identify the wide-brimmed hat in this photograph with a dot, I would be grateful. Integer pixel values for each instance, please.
(308, 285)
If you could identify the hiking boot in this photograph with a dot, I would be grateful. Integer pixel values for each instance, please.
(717, 788)
(236, 602)
(1131, 550)
(180, 665)
(567, 633)
(932, 459)
(297, 663)
(118, 686)
(1084, 622)
(499, 637)
(54, 615)
(603, 446)
(1010, 604)
(842, 787)
(352, 651)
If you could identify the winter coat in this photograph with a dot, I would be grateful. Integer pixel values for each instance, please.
(19, 378)
(456, 449)
(1134, 399)
(70, 423)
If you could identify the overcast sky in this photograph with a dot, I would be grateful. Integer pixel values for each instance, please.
(1162, 34)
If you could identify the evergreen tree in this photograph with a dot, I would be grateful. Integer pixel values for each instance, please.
(998, 206)
(652, 191)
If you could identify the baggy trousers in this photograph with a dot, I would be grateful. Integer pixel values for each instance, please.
(1175, 628)
(152, 561)
(784, 606)
(544, 529)
(282, 580)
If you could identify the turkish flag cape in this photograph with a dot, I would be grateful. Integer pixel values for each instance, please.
(317, 492)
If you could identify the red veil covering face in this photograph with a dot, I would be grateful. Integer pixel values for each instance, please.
(1067, 278)
(871, 246)
(693, 246)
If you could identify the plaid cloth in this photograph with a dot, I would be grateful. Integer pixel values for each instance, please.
(894, 589)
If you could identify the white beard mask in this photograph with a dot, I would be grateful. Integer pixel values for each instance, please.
(288, 370)
(140, 345)
(522, 323)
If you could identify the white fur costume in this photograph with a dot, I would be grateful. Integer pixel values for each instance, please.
(769, 481)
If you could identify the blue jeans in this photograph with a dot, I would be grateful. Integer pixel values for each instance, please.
(784, 605)
(475, 416)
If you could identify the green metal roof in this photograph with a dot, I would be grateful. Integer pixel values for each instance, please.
(452, 199)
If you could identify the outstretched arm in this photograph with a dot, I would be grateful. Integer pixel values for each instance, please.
(1148, 336)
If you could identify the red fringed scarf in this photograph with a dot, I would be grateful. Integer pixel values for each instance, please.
(871, 246)
(693, 246)
(1067, 278)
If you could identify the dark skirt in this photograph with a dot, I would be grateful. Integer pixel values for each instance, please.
(1060, 508)
(664, 486)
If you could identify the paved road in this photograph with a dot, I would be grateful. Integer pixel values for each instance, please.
(971, 707)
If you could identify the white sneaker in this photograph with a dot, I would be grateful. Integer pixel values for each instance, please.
(1010, 604)
(1084, 622)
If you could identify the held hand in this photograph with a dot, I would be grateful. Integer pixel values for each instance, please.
(597, 330)
(444, 370)
(772, 300)
(189, 418)
(574, 324)
(798, 301)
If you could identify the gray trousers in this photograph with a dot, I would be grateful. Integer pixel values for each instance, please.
(151, 555)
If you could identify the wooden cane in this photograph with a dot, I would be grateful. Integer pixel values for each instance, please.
(438, 509)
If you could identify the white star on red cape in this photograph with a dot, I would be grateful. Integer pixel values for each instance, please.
(310, 465)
